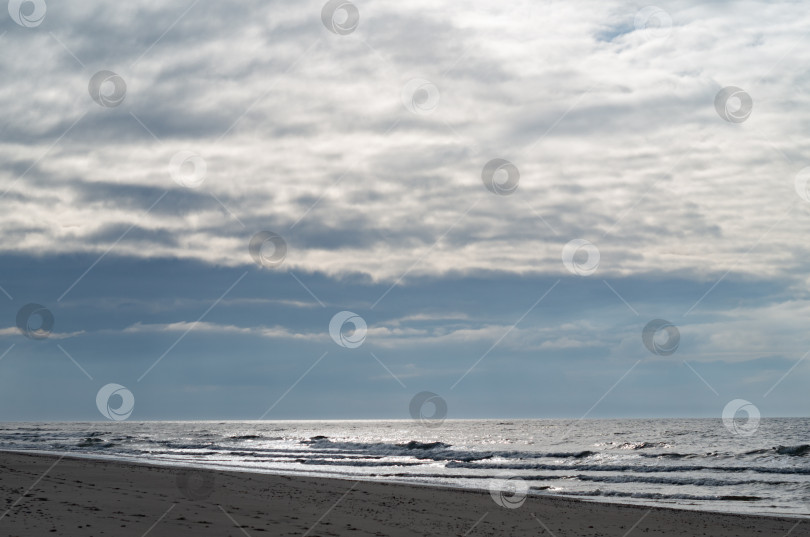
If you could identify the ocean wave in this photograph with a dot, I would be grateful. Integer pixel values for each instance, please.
(643, 445)
(320, 462)
(437, 451)
(94, 442)
(316, 439)
(628, 468)
(656, 495)
(794, 451)
(695, 481)
(413, 444)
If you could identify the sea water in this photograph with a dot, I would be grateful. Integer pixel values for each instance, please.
(685, 463)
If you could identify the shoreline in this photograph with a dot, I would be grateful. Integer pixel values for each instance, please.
(314, 474)
(92, 496)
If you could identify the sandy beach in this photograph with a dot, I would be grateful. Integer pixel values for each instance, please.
(46, 495)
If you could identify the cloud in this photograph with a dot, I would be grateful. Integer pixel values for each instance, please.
(304, 133)
(311, 135)
(13, 331)
(275, 332)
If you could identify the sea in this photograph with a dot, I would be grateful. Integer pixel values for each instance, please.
(684, 463)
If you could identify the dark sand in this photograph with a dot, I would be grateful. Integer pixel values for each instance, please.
(80, 497)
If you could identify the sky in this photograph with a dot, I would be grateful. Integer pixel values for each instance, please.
(299, 210)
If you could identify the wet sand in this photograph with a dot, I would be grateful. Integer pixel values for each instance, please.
(46, 495)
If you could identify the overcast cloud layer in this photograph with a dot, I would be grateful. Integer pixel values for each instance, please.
(364, 152)
(304, 132)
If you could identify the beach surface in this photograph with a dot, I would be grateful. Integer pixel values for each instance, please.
(49, 495)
